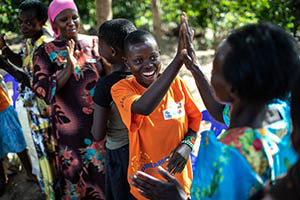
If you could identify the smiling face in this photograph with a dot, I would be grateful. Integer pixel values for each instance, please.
(222, 88)
(144, 61)
(29, 25)
(67, 23)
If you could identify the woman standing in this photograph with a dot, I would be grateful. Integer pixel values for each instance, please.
(32, 18)
(65, 73)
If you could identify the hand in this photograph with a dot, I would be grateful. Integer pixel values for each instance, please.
(178, 159)
(182, 43)
(191, 62)
(153, 188)
(2, 41)
(72, 54)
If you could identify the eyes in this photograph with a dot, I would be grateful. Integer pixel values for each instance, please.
(26, 22)
(152, 58)
(66, 18)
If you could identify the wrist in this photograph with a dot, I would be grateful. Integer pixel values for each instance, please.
(4, 48)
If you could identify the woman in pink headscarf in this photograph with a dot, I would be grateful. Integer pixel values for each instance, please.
(65, 73)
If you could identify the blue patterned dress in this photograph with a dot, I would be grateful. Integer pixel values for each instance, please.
(241, 160)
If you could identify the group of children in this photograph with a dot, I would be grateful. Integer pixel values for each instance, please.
(148, 119)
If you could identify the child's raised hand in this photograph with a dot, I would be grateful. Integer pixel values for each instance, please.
(191, 61)
(182, 44)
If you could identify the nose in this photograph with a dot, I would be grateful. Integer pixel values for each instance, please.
(22, 26)
(148, 63)
(71, 22)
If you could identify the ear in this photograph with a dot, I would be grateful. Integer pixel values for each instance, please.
(232, 94)
(113, 51)
(43, 22)
(125, 61)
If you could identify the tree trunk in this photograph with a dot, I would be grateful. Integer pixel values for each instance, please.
(103, 11)
(156, 20)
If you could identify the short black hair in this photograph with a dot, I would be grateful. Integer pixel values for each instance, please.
(138, 36)
(41, 10)
(114, 31)
(262, 62)
(295, 102)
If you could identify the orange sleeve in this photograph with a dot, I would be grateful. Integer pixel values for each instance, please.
(124, 94)
(4, 99)
(191, 109)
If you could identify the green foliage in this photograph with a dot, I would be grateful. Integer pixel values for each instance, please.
(9, 13)
(219, 16)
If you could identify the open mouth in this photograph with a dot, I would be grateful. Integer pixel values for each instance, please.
(149, 74)
(72, 30)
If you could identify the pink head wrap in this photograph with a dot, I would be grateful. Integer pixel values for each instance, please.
(56, 7)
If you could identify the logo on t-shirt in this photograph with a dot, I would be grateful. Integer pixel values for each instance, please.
(175, 110)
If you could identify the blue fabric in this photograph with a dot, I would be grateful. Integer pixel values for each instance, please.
(227, 167)
(216, 127)
(11, 134)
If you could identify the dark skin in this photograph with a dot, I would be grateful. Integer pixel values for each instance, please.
(113, 59)
(67, 23)
(153, 188)
(30, 27)
(242, 115)
(144, 58)
(20, 76)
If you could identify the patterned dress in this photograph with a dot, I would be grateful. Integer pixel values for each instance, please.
(241, 160)
(80, 160)
(39, 121)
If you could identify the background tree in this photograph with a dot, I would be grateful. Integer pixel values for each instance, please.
(103, 11)
(156, 20)
(217, 17)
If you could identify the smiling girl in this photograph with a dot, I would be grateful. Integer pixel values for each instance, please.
(158, 110)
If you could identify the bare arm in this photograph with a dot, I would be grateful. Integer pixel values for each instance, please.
(214, 108)
(157, 90)
(99, 122)
(20, 76)
(154, 94)
(14, 58)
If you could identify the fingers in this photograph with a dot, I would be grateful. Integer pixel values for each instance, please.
(166, 175)
(176, 165)
(173, 162)
(142, 186)
(71, 49)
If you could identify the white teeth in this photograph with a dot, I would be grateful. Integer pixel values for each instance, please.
(148, 73)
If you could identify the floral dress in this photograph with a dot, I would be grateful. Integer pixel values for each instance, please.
(39, 121)
(80, 160)
(241, 160)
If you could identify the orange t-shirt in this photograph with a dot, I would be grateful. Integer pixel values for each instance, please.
(152, 138)
(4, 100)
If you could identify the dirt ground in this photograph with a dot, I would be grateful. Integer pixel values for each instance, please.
(20, 189)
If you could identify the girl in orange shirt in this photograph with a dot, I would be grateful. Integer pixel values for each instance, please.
(158, 110)
(11, 139)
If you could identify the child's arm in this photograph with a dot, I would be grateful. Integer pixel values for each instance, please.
(99, 122)
(14, 58)
(214, 108)
(179, 157)
(157, 90)
(20, 76)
